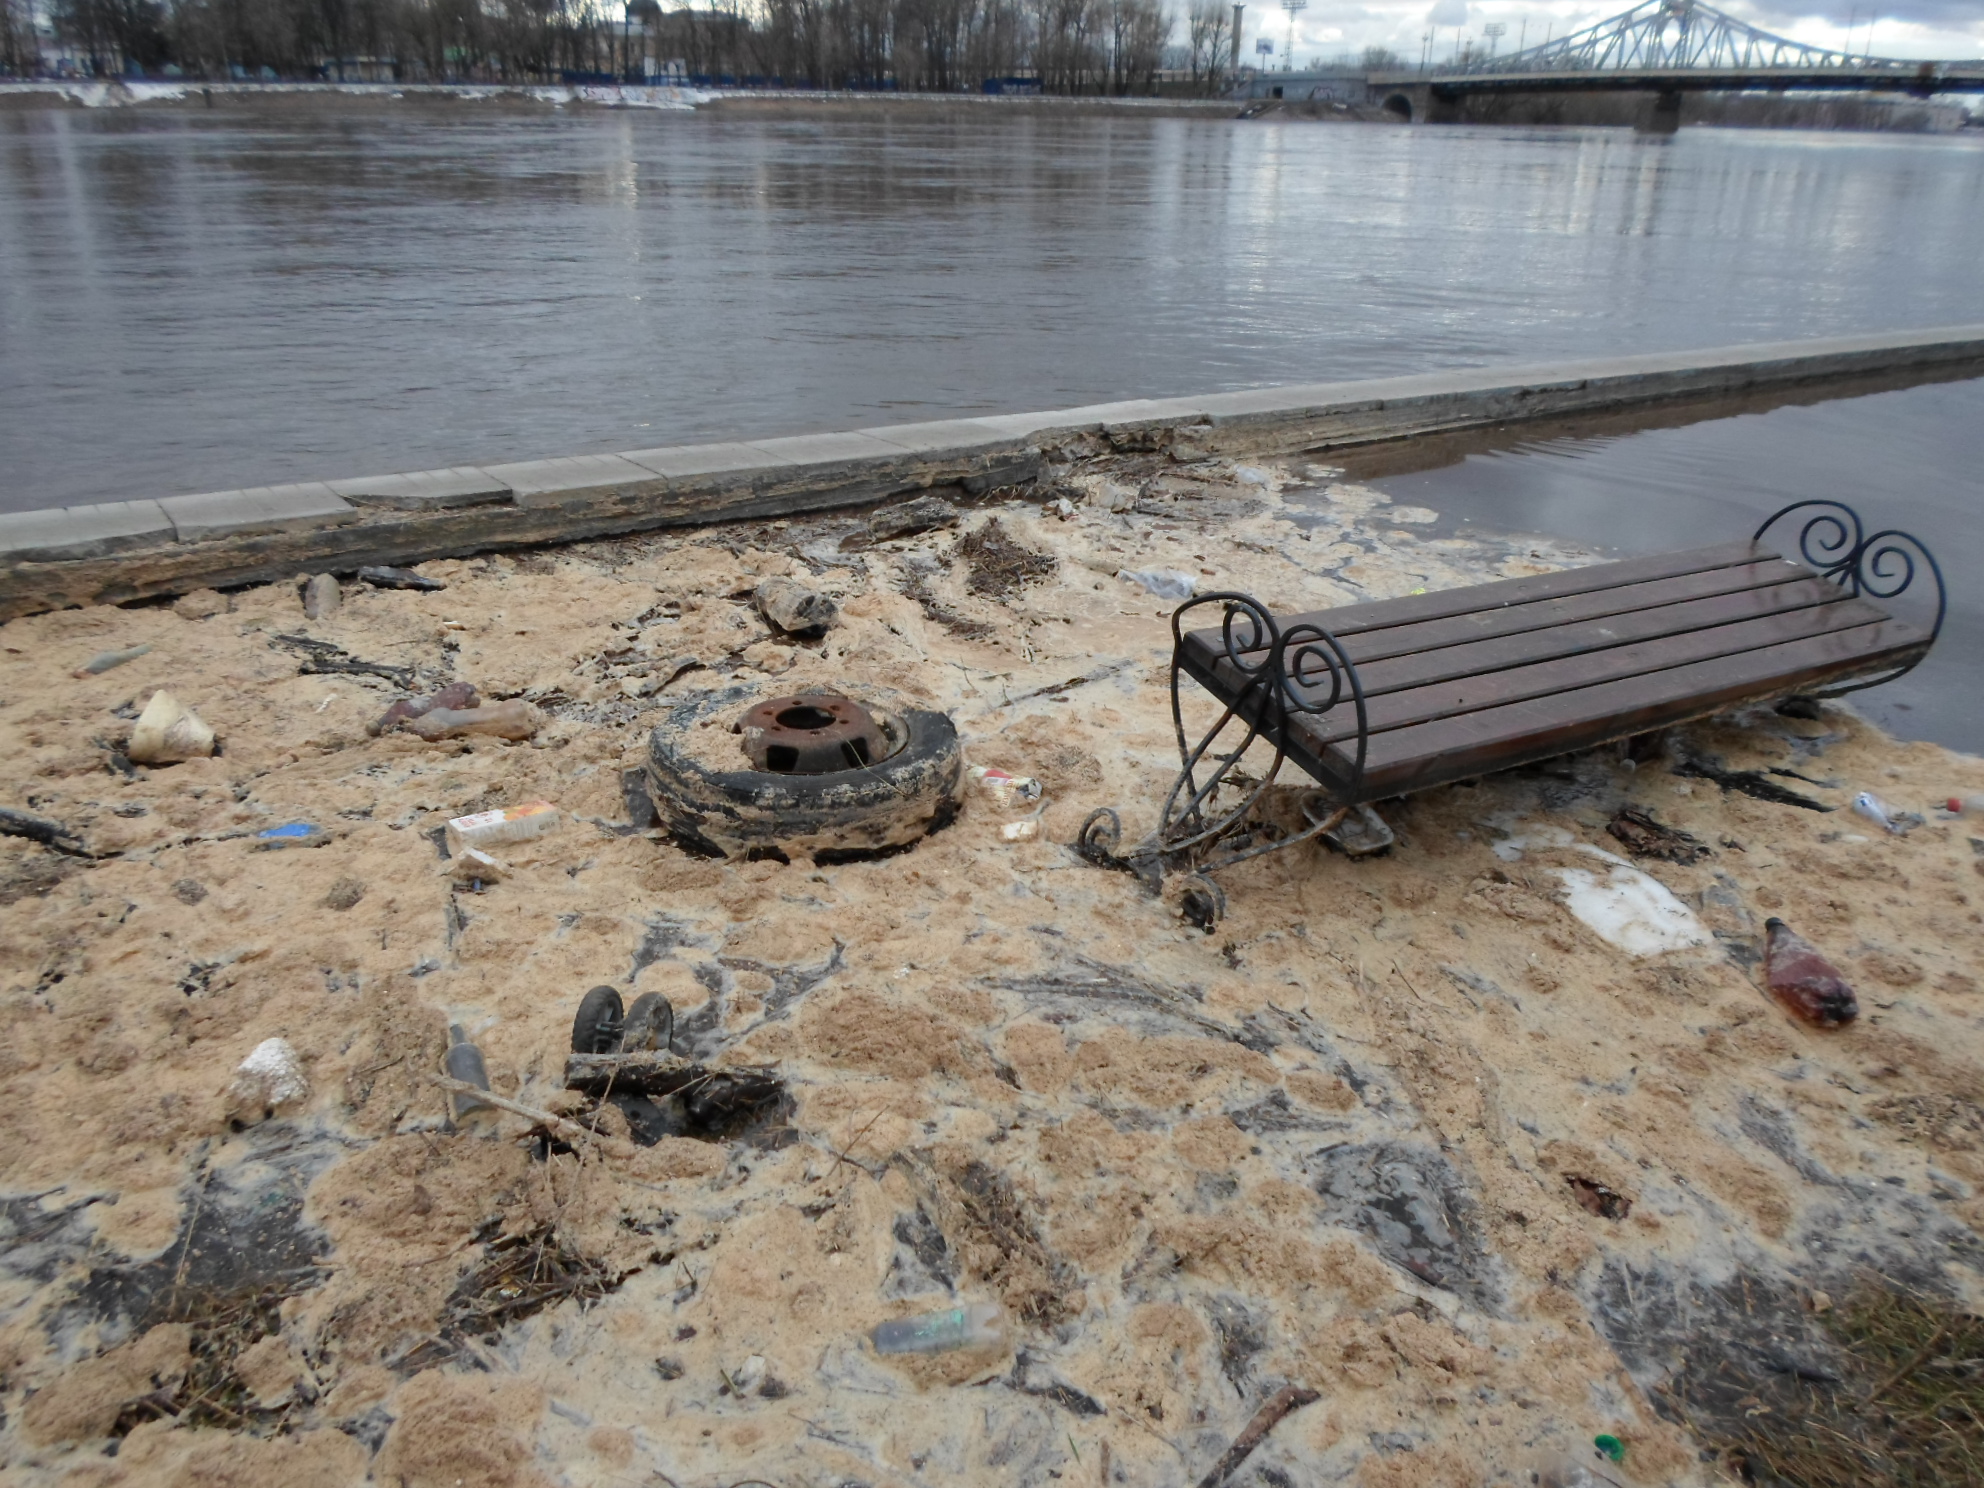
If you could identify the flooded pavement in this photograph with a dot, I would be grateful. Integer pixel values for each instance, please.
(1905, 459)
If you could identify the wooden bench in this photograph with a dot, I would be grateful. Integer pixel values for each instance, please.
(1381, 699)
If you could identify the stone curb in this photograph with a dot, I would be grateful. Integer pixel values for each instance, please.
(127, 550)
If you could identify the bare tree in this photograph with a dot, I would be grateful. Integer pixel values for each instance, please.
(1209, 39)
(1382, 59)
(19, 53)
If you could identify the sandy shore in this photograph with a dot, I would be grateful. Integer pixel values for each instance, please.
(1408, 1132)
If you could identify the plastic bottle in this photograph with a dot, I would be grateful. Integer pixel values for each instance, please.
(1965, 805)
(1809, 986)
(464, 1062)
(976, 1326)
(1890, 816)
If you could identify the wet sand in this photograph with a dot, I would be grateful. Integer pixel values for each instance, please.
(1409, 1132)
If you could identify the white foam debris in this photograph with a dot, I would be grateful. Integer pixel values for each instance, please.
(1630, 910)
(269, 1078)
(1625, 907)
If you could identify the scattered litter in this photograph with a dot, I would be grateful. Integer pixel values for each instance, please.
(924, 514)
(747, 1376)
(1891, 817)
(270, 1078)
(511, 719)
(1630, 910)
(475, 868)
(1807, 985)
(464, 1062)
(1007, 792)
(398, 578)
(1610, 1448)
(1964, 805)
(1646, 838)
(485, 829)
(290, 834)
(1248, 475)
(972, 1327)
(456, 695)
(103, 661)
(1165, 583)
(321, 597)
(1606, 1203)
(1361, 834)
(1063, 508)
(794, 608)
(168, 731)
(1026, 829)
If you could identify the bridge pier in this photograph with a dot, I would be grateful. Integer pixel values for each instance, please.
(1664, 117)
(1419, 103)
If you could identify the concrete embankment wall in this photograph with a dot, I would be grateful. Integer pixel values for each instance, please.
(139, 548)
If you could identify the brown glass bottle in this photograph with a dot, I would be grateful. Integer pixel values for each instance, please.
(1809, 986)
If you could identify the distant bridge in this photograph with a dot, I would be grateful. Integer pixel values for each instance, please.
(1667, 48)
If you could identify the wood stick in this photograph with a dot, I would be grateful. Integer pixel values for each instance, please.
(564, 1127)
(1288, 1398)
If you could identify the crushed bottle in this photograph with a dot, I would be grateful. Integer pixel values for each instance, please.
(1891, 818)
(1808, 986)
(976, 1326)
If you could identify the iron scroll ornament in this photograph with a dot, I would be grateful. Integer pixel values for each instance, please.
(1877, 565)
(1282, 673)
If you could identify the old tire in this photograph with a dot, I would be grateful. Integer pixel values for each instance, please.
(596, 1027)
(847, 814)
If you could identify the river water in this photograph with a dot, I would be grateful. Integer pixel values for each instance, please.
(200, 298)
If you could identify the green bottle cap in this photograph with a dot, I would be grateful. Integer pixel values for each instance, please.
(1613, 1449)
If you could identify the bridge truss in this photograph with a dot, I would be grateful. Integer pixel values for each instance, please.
(1665, 34)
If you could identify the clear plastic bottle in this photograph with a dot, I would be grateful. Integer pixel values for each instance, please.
(976, 1326)
(1809, 986)
(463, 1062)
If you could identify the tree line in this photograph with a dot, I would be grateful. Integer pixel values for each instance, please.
(1066, 46)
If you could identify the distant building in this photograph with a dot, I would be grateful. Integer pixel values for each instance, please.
(1325, 84)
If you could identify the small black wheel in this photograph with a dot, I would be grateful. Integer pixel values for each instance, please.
(650, 1025)
(596, 1029)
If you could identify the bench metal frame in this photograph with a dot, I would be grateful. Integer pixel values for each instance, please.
(1302, 669)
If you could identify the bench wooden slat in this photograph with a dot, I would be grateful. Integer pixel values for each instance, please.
(1377, 614)
(1419, 668)
(1475, 743)
(1565, 676)
(1516, 620)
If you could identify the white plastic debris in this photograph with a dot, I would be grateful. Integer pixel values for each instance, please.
(1624, 906)
(1891, 817)
(473, 866)
(1165, 583)
(168, 731)
(1630, 910)
(511, 824)
(1008, 792)
(270, 1078)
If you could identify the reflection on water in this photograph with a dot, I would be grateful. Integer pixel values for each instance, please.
(1903, 459)
(201, 298)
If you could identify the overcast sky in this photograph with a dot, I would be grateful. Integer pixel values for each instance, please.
(1899, 28)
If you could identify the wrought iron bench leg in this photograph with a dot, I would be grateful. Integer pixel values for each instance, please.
(1282, 674)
